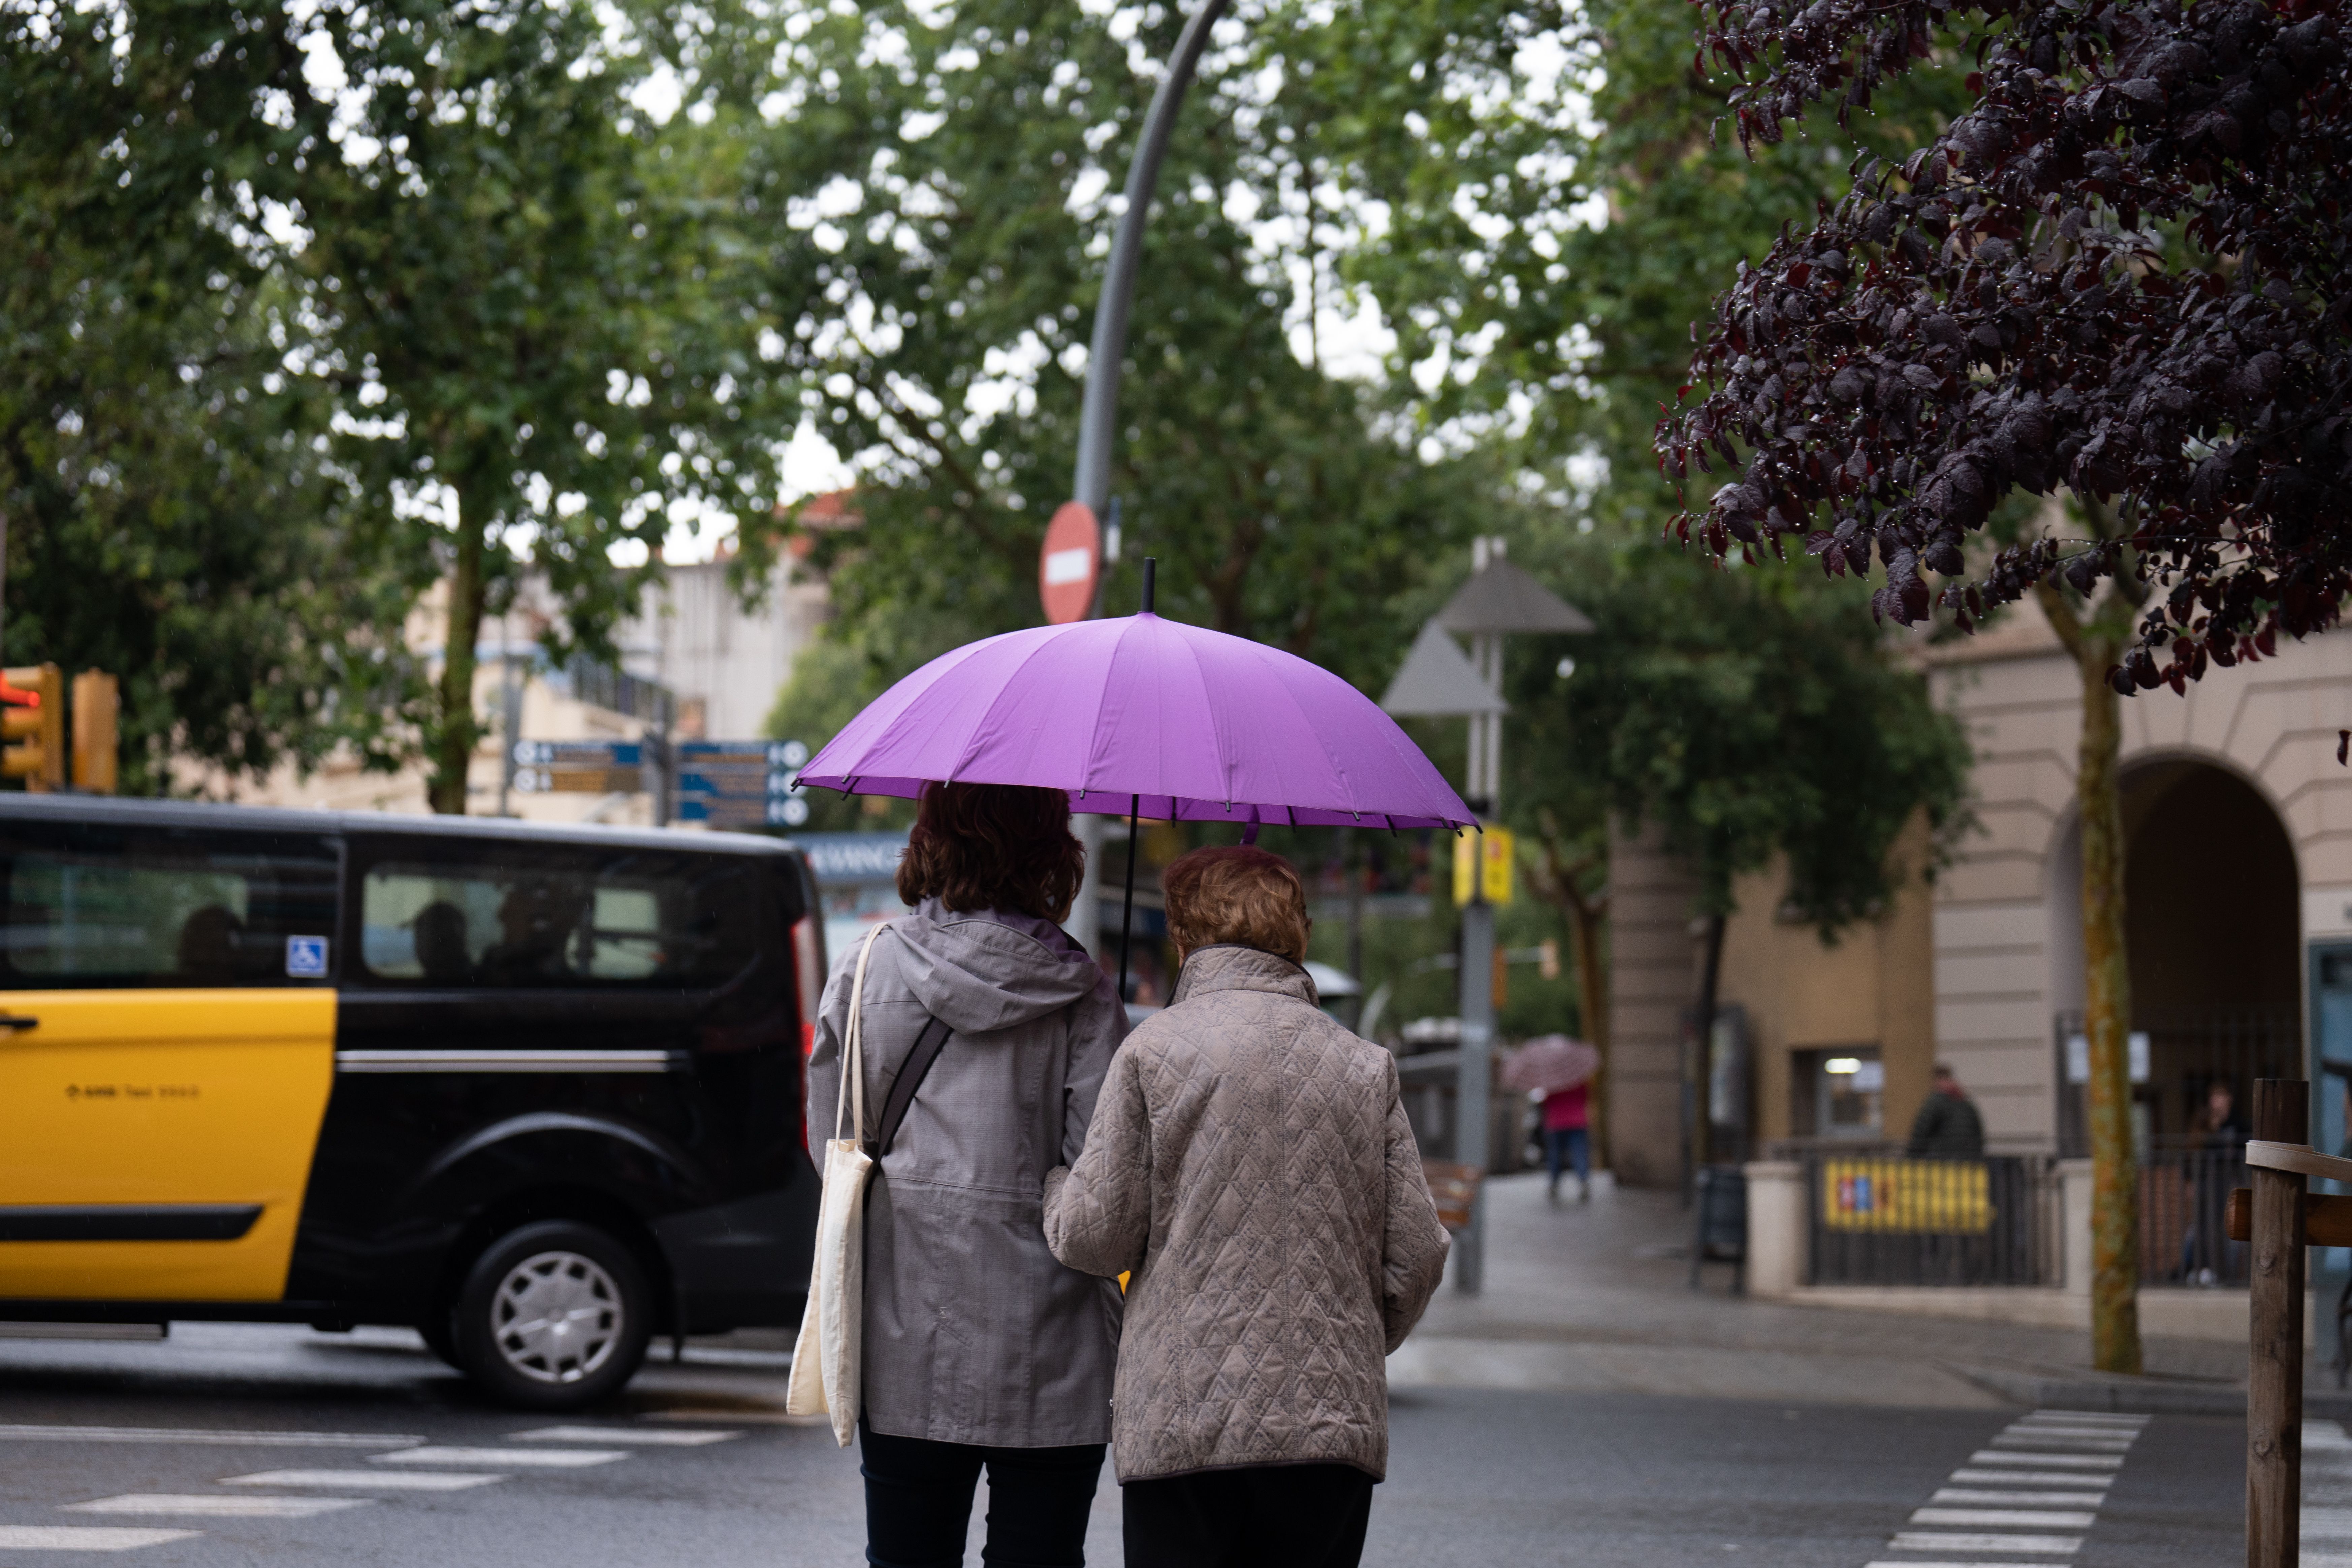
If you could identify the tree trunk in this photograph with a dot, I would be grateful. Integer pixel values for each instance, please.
(2096, 643)
(1710, 975)
(2107, 1021)
(452, 746)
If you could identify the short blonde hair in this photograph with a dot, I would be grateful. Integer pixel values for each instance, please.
(1237, 895)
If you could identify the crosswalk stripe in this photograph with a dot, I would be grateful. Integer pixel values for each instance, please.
(2029, 1477)
(2088, 1419)
(2048, 1461)
(209, 1438)
(650, 1437)
(1931, 1541)
(85, 1537)
(740, 1417)
(369, 1480)
(2072, 1519)
(542, 1459)
(231, 1507)
(2036, 1500)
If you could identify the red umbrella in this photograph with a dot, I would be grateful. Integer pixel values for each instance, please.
(1549, 1064)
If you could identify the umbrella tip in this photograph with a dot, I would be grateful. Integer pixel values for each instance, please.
(1150, 581)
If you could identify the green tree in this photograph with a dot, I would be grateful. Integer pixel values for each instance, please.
(519, 283)
(940, 192)
(169, 511)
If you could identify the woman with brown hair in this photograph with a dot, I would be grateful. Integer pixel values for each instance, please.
(980, 1349)
(1251, 1162)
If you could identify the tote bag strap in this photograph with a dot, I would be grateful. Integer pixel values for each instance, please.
(853, 1052)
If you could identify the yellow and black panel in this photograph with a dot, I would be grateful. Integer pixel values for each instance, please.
(154, 1144)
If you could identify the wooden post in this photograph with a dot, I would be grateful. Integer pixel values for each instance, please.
(2274, 1376)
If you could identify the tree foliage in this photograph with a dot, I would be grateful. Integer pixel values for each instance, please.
(2121, 270)
(1743, 713)
(940, 189)
(172, 514)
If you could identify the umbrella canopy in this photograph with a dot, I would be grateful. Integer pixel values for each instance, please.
(1549, 1064)
(1203, 726)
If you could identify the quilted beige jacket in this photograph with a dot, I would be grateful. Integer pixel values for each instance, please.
(1250, 1160)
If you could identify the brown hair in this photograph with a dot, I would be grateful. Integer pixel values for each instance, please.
(1236, 895)
(994, 847)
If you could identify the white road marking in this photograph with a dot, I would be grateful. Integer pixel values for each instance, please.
(542, 1459)
(2049, 1461)
(2029, 1477)
(1931, 1541)
(85, 1537)
(740, 1417)
(214, 1503)
(2036, 1500)
(369, 1480)
(2062, 1442)
(208, 1439)
(2089, 1418)
(640, 1435)
(2026, 1519)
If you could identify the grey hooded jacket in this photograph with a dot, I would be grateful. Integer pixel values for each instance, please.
(1252, 1162)
(973, 1332)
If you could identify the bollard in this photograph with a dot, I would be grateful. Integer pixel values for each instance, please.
(2274, 1374)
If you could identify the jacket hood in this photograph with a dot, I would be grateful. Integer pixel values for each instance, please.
(1229, 966)
(978, 971)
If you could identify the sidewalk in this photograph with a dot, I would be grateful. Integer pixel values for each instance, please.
(1595, 1298)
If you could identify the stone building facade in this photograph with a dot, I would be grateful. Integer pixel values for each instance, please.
(2239, 892)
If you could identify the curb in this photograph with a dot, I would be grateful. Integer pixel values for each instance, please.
(2050, 1388)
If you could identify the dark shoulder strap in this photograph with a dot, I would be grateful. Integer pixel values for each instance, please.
(927, 1045)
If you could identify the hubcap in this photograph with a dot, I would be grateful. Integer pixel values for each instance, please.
(557, 1317)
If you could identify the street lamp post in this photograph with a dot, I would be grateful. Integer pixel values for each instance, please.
(1098, 417)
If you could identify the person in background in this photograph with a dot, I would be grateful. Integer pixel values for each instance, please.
(1948, 1126)
(2217, 1163)
(980, 1351)
(1567, 1121)
(1251, 1162)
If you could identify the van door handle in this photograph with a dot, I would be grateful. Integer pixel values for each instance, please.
(16, 1023)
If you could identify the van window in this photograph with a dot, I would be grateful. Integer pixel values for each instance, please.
(504, 915)
(92, 904)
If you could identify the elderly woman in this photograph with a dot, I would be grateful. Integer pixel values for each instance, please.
(980, 1351)
(1251, 1163)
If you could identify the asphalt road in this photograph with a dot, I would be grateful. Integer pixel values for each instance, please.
(697, 1467)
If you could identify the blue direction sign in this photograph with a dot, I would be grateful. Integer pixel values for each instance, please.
(597, 767)
(740, 783)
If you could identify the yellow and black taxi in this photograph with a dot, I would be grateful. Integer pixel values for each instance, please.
(534, 1090)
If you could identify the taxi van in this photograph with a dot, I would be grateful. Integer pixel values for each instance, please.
(532, 1091)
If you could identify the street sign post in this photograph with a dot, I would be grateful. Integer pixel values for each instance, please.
(740, 783)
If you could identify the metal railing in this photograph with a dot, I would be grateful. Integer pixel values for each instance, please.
(1879, 1221)
(2183, 1194)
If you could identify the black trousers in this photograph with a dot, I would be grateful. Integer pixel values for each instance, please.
(1262, 1516)
(919, 1501)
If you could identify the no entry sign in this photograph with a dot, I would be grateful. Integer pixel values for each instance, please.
(1070, 564)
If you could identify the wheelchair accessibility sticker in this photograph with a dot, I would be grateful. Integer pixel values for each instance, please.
(306, 957)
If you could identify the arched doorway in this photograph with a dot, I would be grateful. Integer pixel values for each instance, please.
(2212, 922)
(2211, 909)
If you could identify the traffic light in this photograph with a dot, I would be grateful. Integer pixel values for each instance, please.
(33, 726)
(96, 698)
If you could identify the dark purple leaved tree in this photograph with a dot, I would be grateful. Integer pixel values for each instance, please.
(2122, 274)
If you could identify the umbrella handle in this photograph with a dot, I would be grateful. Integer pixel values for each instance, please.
(1134, 806)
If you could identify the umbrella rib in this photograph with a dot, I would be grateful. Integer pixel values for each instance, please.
(965, 752)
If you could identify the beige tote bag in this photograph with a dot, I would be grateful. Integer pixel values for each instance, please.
(825, 1358)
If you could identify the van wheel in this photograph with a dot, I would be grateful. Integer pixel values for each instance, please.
(553, 1316)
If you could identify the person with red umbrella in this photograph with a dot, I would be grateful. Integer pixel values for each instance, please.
(1556, 1072)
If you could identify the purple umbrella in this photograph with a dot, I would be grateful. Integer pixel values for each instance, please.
(1142, 717)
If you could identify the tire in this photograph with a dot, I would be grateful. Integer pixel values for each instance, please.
(553, 1316)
